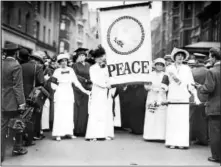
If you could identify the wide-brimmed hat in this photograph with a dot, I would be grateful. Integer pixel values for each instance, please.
(176, 51)
(39, 55)
(63, 56)
(159, 60)
(10, 47)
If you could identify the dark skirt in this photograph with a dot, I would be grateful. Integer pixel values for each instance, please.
(80, 113)
(132, 103)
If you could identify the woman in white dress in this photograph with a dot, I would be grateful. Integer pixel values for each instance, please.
(100, 122)
(64, 98)
(155, 120)
(180, 85)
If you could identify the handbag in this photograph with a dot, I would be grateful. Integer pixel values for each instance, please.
(38, 95)
(16, 124)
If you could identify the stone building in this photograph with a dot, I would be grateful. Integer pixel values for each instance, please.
(31, 24)
(193, 25)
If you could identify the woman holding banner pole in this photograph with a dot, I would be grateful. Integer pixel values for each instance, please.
(180, 83)
(155, 118)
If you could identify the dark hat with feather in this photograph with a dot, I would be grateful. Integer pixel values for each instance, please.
(99, 52)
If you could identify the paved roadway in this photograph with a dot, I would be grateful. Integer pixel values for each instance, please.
(125, 149)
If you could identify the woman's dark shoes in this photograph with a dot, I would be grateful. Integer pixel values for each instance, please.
(21, 151)
(39, 137)
(211, 159)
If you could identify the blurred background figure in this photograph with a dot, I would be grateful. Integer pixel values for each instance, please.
(168, 60)
(198, 120)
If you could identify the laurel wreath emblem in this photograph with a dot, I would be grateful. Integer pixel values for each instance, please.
(133, 49)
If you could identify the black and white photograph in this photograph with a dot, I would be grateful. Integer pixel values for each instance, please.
(110, 83)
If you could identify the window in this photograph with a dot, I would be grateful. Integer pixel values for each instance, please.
(80, 29)
(44, 29)
(80, 45)
(164, 19)
(62, 26)
(63, 3)
(39, 6)
(187, 37)
(27, 23)
(8, 18)
(50, 11)
(216, 30)
(61, 47)
(37, 30)
(45, 9)
(175, 23)
(19, 17)
(49, 36)
(188, 8)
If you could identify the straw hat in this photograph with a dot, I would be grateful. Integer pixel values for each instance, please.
(159, 60)
(176, 51)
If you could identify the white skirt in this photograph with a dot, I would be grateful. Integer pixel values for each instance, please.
(177, 132)
(63, 118)
(155, 124)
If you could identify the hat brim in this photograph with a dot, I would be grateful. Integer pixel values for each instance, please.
(38, 58)
(186, 54)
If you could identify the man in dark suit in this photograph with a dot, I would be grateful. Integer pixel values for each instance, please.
(212, 88)
(13, 100)
(33, 72)
(198, 120)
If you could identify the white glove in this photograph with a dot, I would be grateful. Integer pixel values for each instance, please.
(46, 77)
(197, 101)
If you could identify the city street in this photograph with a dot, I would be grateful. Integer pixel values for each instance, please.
(125, 149)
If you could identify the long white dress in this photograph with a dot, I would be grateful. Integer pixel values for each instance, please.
(64, 101)
(45, 115)
(100, 120)
(155, 122)
(177, 132)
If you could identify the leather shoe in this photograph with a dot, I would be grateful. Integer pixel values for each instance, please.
(21, 151)
(213, 160)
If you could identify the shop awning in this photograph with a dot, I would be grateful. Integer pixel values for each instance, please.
(201, 47)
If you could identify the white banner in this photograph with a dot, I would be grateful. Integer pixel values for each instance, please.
(126, 37)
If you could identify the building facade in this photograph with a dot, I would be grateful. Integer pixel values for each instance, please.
(31, 24)
(187, 23)
(18, 24)
(75, 28)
